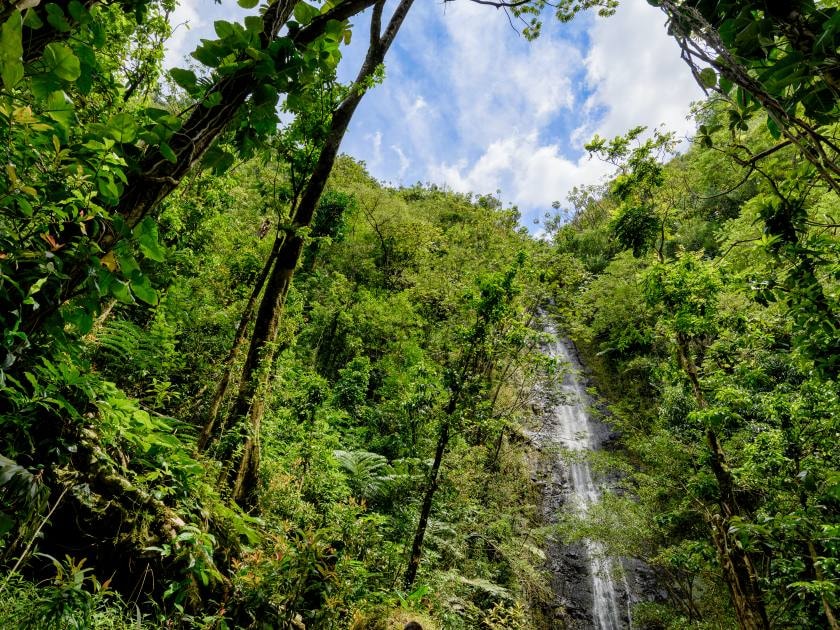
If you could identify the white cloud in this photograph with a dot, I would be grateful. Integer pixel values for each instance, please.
(631, 71)
(636, 73)
(376, 147)
(499, 81)
(183, 19)
(528, 173)
(404, 161)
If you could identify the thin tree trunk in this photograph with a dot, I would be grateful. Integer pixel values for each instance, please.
(239, 339)
(818, 572)
(738, 570)
(431, 488)
(250, 404)
(426, 509)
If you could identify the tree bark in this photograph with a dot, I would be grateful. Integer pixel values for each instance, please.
(250, 402)
(431, 488)
(239, 339)
(738, 570)
(426, 509)
(256, 371)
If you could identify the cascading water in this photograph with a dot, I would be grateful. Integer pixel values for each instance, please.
(567, 425)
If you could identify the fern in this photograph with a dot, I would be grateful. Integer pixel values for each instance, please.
(120, 340)
(141, 360)
(368, 474)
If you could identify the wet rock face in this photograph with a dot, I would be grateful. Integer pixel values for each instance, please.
(567, 564)
(571, 579)
(589, 591)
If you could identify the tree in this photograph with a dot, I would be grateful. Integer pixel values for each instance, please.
(637, 224)
(261, 352)
(491, 308)
(152, 149)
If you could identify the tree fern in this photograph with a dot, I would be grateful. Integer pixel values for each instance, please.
(367, 473)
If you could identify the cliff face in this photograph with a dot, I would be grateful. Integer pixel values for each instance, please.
(592, 591)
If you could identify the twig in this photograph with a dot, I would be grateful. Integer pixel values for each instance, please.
(32, 540)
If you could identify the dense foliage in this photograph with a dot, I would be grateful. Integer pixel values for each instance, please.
(704, 335)
(243, 384)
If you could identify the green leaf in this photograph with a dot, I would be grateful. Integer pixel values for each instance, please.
(248, 4)
(708, 78)
(119, 290)
(108, 189)
(128, 264)
(167, 152)
(77, 11)
(60, 109)
(334, 31)
(305, 12)
(223, 29)
(185, 79)
(773, 128)
(60, 61)
(32, 20)
(143, 289)
(210, 53)
(147, 236)
(11, 51)
(254, 24)
(122, 127)
(218, 160)
(56, 18)
(6, 523)
(81, 319)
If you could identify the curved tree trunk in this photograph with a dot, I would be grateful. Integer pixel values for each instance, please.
(426, 509)
(209, 428)
(250, 405)
(736, 564)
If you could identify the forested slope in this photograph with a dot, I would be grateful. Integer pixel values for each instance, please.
(243, 384)
(410, 316)
(713, 333)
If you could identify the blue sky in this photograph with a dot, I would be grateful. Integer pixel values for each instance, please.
(468, 104)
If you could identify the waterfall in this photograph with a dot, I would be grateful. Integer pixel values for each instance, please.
(567, 425)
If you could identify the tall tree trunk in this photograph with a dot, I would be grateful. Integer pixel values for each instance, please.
(426, 509)
(239, 339)
(250, 402)
(432, 485)
(249, 405)
(820, 575)
(738, 570)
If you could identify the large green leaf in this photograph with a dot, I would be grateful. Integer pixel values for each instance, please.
(185, 79)
(223, 28)
(122, 127)
(143, 289)
(147, 236)
(11, 51)
(60, 61)
(305, 12)
(60, 109)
